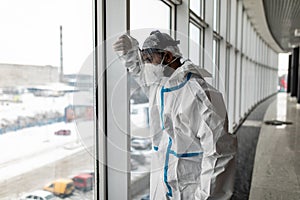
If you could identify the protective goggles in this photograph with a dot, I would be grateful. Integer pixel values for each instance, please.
(147, 54)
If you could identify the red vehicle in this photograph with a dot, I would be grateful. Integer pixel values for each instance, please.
(83, 182)
(63, 132)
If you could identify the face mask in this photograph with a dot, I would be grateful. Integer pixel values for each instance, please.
(152, 73)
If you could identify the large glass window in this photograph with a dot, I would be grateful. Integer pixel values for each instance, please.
(216, 17)
(155, 15)
(227, 66)
(216, 53)
(46, 56)
(228, 24)
(194, 44)
(197, 7)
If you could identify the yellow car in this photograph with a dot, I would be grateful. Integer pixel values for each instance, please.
(61, 187)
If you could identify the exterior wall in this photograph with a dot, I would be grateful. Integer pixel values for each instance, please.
(25, 75)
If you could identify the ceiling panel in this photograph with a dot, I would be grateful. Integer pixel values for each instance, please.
(256, 14)
(283, 17)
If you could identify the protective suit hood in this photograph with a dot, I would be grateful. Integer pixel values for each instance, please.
(181, 72)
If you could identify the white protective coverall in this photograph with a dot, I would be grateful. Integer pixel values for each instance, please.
(194, 155)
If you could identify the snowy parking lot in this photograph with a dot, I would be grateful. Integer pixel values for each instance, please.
(35, 156)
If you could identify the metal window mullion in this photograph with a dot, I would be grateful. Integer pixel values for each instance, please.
(117, 115)
(222, 65)
(228, 20)
(238, 86)
(173, 2)
(182, 28)
(99, 105)
(197, 21)
(218, 18)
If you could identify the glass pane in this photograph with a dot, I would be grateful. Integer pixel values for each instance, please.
(196, 6)
(216, 62)
(228, 20)
(155, 15)
(227, 66)
(214, 57)
(46, 55)
(216, 16)
(194, 44)
(149, 14)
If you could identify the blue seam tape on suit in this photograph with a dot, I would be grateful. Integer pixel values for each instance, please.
(162, 107)
(166, 167)
(181, 155)
(184, 155)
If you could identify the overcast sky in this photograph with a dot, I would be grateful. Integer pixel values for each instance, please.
(29, 32)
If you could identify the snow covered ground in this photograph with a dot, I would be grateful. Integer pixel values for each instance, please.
(34, 156)
(30, 149)
(35, 144)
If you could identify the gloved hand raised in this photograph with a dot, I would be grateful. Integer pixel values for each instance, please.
(125, 44)
(127, 48)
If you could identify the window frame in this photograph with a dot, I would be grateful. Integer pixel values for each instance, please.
(216, 58)
(216, 16)
(201, 9)
(228, 20)
(200, 40)
(201, 25)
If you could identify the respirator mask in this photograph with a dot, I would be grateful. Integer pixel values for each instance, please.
(153, 73)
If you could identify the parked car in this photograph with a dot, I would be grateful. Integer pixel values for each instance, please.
(90, 172)
(137, 156)
(83, 182)
(62, 132)
(61, 187)
(39, 194)
(134, 164)
(141, 143)
(146, 197)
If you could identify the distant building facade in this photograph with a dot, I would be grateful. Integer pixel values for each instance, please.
(12, 75)
(80, 81)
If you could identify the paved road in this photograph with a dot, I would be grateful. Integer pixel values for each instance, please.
(36, 179)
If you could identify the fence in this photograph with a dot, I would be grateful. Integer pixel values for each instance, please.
(27, 122)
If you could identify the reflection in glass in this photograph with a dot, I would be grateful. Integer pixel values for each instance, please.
(155, 15)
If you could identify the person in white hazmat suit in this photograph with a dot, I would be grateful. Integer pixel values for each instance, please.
(194, 155)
